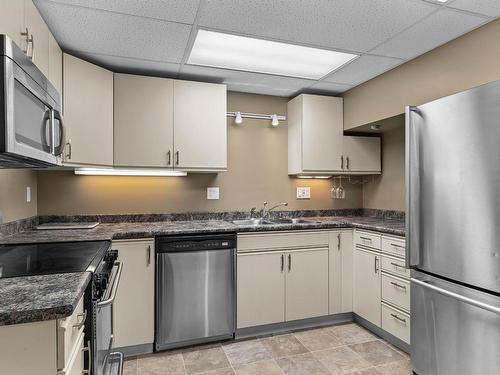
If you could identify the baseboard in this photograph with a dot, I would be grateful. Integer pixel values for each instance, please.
(294, 325)
(398, 343)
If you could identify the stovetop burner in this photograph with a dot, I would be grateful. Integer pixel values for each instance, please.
(50, 258)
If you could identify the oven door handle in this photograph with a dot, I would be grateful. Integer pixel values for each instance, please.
(114, 288)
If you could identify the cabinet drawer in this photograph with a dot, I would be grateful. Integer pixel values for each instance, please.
(68, 332)
(396, 323)
(396, 291)
(258, 242)
(367, 239)
(394, 246)
(396, 266)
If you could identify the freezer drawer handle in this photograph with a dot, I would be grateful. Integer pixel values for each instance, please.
(396, 285)
(398, 318)
(114, 288)
(468, 300)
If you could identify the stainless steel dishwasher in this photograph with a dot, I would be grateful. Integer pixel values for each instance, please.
(195, 289)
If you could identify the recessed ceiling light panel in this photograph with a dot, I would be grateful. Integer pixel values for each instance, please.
(236, 52)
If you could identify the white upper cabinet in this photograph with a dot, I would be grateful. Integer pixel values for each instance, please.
(362, 155)
(200, 126)
(12, 20)
(55, 64)
(38, 48)
(315, 131)
(88, 113)
(316, 141)
(143, 121)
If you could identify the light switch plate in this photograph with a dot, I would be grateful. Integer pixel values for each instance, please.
(304, 192)
(212, 193)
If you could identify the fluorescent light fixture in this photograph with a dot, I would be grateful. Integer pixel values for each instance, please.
(264, 56)
(129, 172)
(323, 177)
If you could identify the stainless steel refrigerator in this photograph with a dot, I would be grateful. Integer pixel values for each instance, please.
(453, 232)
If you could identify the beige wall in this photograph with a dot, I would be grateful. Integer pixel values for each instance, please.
(468, 61)
(257, 172)
(387, 191)
(13, 205)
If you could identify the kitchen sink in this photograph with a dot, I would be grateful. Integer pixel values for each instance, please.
(252, 222)
(294, 221)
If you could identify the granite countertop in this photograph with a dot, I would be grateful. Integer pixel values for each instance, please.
(131, 230)
(36, 298)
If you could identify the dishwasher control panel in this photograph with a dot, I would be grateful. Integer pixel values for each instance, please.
(193, 243)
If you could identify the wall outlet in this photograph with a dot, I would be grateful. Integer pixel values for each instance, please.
(304, 192)
(28, 194)
(212, 193)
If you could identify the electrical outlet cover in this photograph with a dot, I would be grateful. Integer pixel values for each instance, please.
(212, 193)
(304, 192)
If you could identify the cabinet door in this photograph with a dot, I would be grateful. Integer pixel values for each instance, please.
(200, 126)
(306, 284)
(322, 133)
(367, 286)
(55, 64)
(341, 272)
(133, 309)
(362, 154)
(260, 288)
(88, 112)
(143, 108)
(12, 21)
(40, 32)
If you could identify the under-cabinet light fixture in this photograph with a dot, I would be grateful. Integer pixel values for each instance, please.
(322, 177)
(129, 172)
(236, 52)
(239, 116)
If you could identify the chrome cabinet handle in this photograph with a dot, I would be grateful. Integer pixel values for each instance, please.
(289, 262)
(397, 265)
(177, 158)
(68, 154)
(470, 301)
(82, 323)
(396, 245)
(148, 255)
(282, 262)
(338, 242)
(114, 288)
(88, 349)
(168, 158)
(398, 285)
(32, 41)
(402, 320)
(365, 238)
(347, 162)
(342, 162)
(376, 265)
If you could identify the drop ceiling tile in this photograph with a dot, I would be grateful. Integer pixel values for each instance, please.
(94, 31)
(264, 83)
(355, 25)
(330, 88)
(487, 7)
(134, 66)
(439, 28)
(362, 69)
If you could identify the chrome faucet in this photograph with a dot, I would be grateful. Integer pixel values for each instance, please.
(264, 213)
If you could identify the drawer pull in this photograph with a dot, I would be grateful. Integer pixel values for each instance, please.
(397, 265)
(396, 245)
(398, 285)
(366, 238)
(402, 320)
(82, 323)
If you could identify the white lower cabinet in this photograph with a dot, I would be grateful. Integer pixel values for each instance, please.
(367, 285)
(396, 322)
(260, 288)
(340, 271)
(133, 309)
(306, 284)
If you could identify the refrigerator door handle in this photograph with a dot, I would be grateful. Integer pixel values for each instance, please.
(456, 296)
(412, 257)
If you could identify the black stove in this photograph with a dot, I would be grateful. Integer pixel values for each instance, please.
(51, 258)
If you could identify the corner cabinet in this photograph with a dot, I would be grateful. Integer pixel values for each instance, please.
(88, 113)
(316, 141)
(183, 124)
(133, 309)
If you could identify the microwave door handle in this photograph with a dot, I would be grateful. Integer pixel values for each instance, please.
(114, 288)
(46, 145)
(58, 150)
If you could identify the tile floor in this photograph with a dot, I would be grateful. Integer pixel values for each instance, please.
(336, 350)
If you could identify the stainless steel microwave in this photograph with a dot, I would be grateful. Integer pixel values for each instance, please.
(31, 125)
